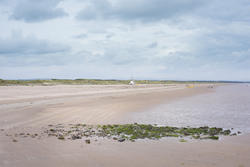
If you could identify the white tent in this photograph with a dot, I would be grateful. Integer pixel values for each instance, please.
(131, 82)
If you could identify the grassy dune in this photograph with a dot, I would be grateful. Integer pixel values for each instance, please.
(93, 82)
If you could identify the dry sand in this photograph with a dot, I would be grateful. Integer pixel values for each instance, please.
(26, 107)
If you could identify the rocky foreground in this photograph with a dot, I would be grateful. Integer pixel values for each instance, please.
(125, 132)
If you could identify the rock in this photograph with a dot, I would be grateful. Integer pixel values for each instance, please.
(61, 137)
(14, 140)
(74, 137)
(226, 132)
(121, 139)
(86, 133)
(87, 141)
(115, 138)
(214, 137)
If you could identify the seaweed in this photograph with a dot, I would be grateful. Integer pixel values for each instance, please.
(132, 132)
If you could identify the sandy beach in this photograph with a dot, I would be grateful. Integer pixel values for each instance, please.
(43, 105)
(124, 83)
(30, 108)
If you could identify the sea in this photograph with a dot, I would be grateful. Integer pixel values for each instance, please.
(226, 107)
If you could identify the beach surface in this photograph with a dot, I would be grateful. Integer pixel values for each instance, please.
(30, 108)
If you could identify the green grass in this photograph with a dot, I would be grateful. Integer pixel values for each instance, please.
(91, 82)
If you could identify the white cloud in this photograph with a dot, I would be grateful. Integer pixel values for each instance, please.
(163, 39)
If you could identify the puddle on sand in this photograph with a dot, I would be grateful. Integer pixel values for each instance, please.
(227, 107)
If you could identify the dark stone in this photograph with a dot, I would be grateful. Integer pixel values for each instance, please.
(61, 137)
(74, 137)
(87, 141)
(121, 140)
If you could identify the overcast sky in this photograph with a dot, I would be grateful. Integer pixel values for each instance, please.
(121, 39)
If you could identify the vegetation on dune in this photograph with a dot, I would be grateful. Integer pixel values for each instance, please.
(91, 82)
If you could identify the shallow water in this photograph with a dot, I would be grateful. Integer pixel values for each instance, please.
(227, 107)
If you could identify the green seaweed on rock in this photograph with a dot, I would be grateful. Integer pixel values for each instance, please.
(132, 132)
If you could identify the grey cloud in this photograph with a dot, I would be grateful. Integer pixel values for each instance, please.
(196, 37)
(18, 45)
(229, 10)
(81, 36)
(36, 10)
(110, 35)
(116, 54)
(219, 51)
(144, 10)
(153, 45)
(223, 44)
(22, 51)
(137, 9)
(130, 55)
(28, 60)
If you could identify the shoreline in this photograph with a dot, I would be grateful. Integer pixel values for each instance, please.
(105, 107)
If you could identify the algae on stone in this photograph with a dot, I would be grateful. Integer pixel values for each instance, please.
(132, 132)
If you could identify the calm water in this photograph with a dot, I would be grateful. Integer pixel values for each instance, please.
(227, 107)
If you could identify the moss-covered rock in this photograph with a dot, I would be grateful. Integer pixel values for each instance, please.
(135, 131)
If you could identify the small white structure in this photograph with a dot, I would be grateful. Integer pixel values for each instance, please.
(131, 82)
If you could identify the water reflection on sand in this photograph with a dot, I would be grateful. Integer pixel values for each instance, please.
(227, 107)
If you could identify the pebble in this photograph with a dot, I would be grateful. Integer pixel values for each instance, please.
(14, 140)
(87, 141)
(121, 140)
(74, 137)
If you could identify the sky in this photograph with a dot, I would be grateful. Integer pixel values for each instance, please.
(125, 39)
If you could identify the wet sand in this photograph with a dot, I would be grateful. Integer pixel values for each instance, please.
(43, 105)
(233, 152)
(34, 107)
